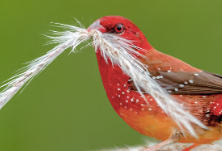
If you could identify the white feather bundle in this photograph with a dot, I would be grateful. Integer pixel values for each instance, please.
(121, 52)
(66, 39)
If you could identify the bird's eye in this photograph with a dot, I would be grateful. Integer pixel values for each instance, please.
(119, 28)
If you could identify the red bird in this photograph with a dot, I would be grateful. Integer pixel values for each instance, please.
(201, 90)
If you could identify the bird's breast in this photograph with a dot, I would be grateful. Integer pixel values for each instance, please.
(143, 116)
(117, 87)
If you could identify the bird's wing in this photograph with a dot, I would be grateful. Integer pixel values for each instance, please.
(187, 82)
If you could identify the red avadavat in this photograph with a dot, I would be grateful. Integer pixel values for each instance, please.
(201, 91)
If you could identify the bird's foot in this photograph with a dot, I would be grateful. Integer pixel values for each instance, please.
(173, 138)
(160, 145)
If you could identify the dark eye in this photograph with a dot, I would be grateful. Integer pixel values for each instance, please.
(119, 28)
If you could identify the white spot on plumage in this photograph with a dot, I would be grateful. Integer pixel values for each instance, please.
(168, 71)
(119, 96)
(181, 85)
(137, 100)
(191, 81)
(121, 104)
(159, 77)
(123, 93)
(176, 89)
(154, 78)
(125, 106)
(196, 74)
(132, 100)
(150, 109)
(118, 89)
(185, 82)
(169, 91)
(126, 100)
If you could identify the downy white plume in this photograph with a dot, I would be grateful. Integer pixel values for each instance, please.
(121, 52)
(71, 38)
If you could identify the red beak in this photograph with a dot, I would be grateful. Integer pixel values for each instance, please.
(96, 26)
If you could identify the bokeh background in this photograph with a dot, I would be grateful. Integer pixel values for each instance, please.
(65, 108)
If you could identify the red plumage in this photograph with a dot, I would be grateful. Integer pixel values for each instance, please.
(200, 90)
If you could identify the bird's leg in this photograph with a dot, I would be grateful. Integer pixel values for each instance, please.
(155, 147)
(172, 139)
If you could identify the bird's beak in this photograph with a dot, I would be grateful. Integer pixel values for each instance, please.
(96, 26)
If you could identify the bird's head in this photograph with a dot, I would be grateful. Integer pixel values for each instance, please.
(123, 28)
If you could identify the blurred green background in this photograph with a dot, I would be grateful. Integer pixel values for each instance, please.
(65, 108)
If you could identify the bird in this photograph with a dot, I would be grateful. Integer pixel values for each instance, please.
(198, 89)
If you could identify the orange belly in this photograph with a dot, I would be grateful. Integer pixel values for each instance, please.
(155, 123)
(161, 127)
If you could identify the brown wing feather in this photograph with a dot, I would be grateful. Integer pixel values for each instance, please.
(187, 82)
(178, 77)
